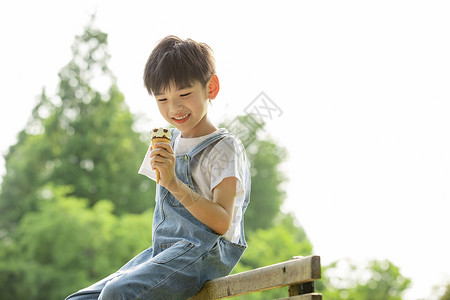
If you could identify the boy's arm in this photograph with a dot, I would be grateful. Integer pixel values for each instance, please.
(216, 214)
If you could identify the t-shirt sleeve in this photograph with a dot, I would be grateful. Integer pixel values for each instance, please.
(228, 159)
(146, 168)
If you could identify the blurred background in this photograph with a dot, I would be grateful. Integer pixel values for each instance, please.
(352, 161)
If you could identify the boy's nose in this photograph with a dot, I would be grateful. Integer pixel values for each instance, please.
(176, 104)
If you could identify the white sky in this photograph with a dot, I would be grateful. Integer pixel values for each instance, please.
(363, 87)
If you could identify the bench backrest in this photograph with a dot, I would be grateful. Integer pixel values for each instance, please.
(299, 274)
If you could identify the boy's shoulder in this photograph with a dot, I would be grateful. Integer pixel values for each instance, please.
(229, 147)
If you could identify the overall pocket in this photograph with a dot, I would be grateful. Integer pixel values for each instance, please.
(170, 251)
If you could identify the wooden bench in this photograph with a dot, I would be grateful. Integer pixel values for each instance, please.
(298, 273)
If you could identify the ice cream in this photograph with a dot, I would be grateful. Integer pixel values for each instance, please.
(160, 135)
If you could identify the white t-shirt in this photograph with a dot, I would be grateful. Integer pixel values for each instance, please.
(220, 160)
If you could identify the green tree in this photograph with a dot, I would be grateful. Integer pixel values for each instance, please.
(378, 280)
(65, 245)
(83, 137)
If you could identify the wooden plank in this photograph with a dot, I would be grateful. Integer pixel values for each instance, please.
(313, 296)
(295, 271)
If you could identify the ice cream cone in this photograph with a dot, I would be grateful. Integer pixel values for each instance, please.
(160, 135)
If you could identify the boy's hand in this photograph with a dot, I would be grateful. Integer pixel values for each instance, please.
(163, 159)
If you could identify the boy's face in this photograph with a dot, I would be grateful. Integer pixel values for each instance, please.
(186, 108)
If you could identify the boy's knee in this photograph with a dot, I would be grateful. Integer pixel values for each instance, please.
(114, 290)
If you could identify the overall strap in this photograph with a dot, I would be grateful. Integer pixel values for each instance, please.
(215, 138)
(175, 132)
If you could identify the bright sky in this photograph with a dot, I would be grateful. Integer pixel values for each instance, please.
(362, 88)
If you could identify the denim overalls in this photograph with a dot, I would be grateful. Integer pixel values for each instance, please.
(185, 252)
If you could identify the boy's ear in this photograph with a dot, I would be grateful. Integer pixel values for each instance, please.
(213, 87)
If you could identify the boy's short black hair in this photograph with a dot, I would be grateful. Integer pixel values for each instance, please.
(178, 61)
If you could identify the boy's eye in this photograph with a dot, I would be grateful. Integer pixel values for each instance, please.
(185, 95)
(162, 99)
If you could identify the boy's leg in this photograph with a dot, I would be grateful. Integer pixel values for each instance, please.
(173, 274)
(93, 292)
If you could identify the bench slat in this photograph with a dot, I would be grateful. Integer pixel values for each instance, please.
(295, 271)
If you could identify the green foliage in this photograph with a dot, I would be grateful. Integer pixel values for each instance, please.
(55, 240)
(66, 245)
(378, 280)
(279, 243)
(83, 138)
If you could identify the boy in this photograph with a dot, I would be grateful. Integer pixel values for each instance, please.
(203, 190)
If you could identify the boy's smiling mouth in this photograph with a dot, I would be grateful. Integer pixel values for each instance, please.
(180, 119)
